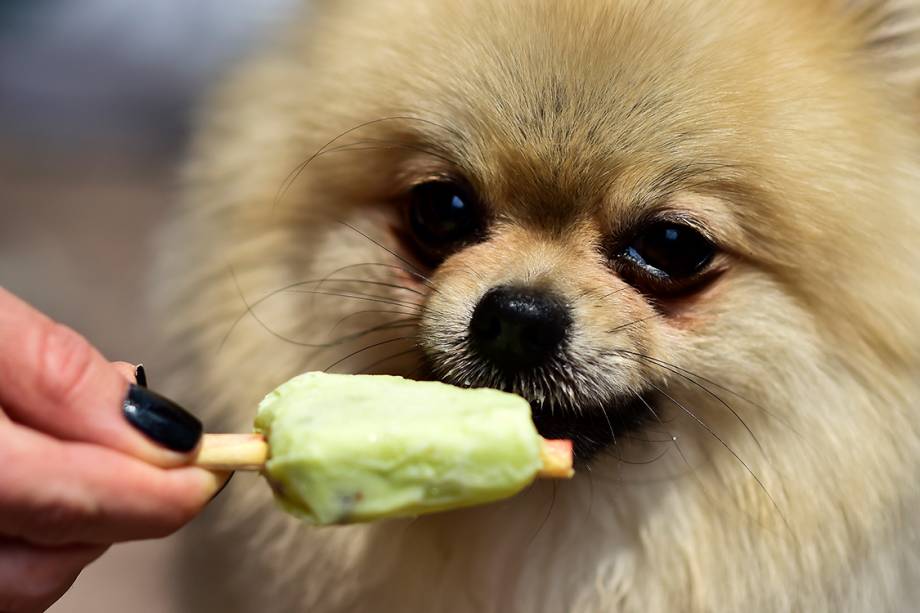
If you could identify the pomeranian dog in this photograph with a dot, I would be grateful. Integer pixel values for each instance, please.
(685, 230)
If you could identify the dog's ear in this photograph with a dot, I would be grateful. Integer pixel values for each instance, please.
(892, 37)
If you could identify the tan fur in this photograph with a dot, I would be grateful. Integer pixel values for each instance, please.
(786, 130)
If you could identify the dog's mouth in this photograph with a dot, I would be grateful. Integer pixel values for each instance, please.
(592, 429)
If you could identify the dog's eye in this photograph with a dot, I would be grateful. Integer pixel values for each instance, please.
(669, 254)
(442, 217)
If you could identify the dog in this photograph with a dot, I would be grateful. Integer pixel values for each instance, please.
(684, 230)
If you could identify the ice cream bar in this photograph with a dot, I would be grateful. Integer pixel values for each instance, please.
(352, 448)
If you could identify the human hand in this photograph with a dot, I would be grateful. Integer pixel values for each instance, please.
(87, 458)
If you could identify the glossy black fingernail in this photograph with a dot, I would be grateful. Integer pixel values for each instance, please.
(161, 420)
(140, 375)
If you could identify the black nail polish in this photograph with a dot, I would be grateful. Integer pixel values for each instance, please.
(140, 375)
(161, 420)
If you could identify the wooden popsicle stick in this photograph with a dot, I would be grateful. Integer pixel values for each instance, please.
(232, 452)
(249, 452)
(556, 455)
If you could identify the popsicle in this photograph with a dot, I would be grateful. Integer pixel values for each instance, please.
(352, 448)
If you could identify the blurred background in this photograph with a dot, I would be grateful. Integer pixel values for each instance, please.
(95, 102)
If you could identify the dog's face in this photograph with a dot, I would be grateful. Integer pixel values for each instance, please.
(596, 203)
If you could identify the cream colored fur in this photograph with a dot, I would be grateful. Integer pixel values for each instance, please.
(788, 128)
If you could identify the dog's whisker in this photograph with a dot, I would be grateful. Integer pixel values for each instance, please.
(719, 503)
(649, 407)
(725, 389)
(633, 323)
(249, 310)
(278, 335)
(390, 325)
(368, 348)
(406, 303)
(615, 452)
(549, 511)
(383, 145)
(393, 356)
(357, 296)
(384, 327)
(669, 368)
(330, 279)
(418, 276)
(410, 316)
(727, 447)
(390, 251)
(613, 293)
(610, 426)
(648, 439)
(590, 506)
(645, 462)
(298, 170)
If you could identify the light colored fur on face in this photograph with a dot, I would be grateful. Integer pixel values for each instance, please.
(782, 475)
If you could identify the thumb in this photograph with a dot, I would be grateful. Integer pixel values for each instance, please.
(53, 380)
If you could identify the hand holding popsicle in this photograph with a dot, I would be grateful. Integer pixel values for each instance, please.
(92, 458)
(88, 458)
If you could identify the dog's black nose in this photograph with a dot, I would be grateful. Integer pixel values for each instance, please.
(519, 327)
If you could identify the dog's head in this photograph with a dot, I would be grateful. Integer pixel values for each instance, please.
(600, 206)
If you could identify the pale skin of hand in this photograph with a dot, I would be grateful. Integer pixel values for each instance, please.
(75, 476)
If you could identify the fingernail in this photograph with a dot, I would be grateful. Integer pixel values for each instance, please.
(161, 420)
(140, 375)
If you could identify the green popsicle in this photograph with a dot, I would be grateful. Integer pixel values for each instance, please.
(351, 448)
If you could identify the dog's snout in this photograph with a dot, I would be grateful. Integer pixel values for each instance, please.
(519, 327)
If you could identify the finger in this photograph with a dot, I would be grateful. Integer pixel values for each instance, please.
(55, 493)
(51, 379)
(126, 370)
(34, 577)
